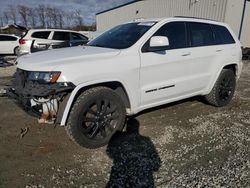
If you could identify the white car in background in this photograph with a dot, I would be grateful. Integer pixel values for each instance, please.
(9, 44)
(43, 39)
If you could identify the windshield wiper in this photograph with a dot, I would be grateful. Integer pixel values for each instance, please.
(98, 45)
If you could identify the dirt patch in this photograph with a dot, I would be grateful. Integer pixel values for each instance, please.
(185, 144)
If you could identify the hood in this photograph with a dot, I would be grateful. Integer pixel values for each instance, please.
(49, 60)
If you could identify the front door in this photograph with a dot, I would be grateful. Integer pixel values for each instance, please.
(167, 74)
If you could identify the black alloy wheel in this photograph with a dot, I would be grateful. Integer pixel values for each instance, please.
(226, 88)
(99, 119)
(95, 117)
(223, 90)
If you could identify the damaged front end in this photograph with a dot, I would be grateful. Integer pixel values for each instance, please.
(40, 95)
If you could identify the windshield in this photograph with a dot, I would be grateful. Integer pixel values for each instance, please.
(122, 36)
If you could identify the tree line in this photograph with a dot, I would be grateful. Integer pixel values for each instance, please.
(43, 16)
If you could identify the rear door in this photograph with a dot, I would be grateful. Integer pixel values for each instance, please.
(61, 39)
(226, 43)
(205, 52)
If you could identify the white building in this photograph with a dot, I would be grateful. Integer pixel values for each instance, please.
(234, 12)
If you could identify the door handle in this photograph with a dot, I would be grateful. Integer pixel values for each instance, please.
(218, 50)
(186, 54)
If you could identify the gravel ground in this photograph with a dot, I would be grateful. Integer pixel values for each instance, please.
(185, 144)
(7, 67)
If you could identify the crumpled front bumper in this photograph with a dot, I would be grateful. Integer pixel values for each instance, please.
(22, 102)
(23, 91)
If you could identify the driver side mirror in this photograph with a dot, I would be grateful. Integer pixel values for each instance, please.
(158, 41)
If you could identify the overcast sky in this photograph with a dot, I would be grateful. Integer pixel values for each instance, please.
(88, 7)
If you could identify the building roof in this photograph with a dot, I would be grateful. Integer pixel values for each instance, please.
(125, 4)
(18, 27)
(135, 1)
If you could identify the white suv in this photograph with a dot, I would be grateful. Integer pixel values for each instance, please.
(43, 39)
(132, 67)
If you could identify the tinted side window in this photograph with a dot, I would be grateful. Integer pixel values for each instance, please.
(176, 33)
(10, 38)
(7, 38)
(77, 36)
(222, 35)
(41, 34)
(201, 34)
(59, 35)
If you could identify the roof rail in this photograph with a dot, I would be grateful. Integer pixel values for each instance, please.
(193, 18)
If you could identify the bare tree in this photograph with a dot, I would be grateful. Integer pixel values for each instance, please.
(78, 17)
(50, 17)
(93, 27)
(54, 16)
(13, 13)
(41, 12)
(69, 19)
(43, 16)
(60, 18)
(33, 17)
(6, 17)
(24, 13)
(1, 21)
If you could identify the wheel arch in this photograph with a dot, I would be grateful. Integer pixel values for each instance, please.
(14, 50)
(232, 66)
(117, 86)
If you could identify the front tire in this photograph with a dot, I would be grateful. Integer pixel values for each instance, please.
(223, 90)
(95, 116)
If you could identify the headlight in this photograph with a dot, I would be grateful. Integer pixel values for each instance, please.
(44, 77)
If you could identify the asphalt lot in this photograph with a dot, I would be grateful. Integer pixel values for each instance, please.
(184, 144)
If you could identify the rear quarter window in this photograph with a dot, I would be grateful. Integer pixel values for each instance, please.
(1, 38)
(7, 38)
(222, 35)
(10, 38)
(41, 34)
(60, 35)
(77, 36)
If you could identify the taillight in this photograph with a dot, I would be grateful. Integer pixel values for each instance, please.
(22, 41)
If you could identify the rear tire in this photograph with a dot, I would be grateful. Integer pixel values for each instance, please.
(223, 90)
(95, 116)
(16, 49)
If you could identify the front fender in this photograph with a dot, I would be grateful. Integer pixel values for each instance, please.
(87, 84)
